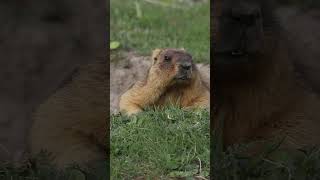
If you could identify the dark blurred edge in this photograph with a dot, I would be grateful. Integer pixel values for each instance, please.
(212, 94)
(105, 54)
(108, 90)
(301, 7)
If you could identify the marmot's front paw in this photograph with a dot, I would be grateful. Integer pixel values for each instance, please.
(131, 111)
(159, 77)
(126, 105)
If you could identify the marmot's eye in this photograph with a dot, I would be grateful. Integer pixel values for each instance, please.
(167, 58)
(155, 58)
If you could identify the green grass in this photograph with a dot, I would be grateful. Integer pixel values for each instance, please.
(160, 144)
(271, 163)
(143, 26)
(40, 167)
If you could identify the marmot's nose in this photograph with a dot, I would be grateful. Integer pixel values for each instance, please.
(186, 65)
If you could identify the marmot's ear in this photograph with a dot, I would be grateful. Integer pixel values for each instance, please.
(155, 54)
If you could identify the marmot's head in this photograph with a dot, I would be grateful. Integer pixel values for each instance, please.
(176, 63)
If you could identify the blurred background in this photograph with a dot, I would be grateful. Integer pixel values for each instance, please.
(143, 25)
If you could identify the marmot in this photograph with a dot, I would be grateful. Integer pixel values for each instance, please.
(258, 92)
(172, 78)
(72, 124)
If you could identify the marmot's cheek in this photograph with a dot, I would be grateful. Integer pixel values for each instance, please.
(175, 73)
(175, 69)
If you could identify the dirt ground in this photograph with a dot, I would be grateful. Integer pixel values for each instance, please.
(129, 68)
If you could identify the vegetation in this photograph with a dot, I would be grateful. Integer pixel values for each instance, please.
(269, 164)
(41, 168)
(160, 144)
(143, 26)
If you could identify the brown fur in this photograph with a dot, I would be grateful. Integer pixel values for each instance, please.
(160, 89)
(72, 123)
(272, 101)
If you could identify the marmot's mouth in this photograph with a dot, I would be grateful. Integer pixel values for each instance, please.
(183, 78)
